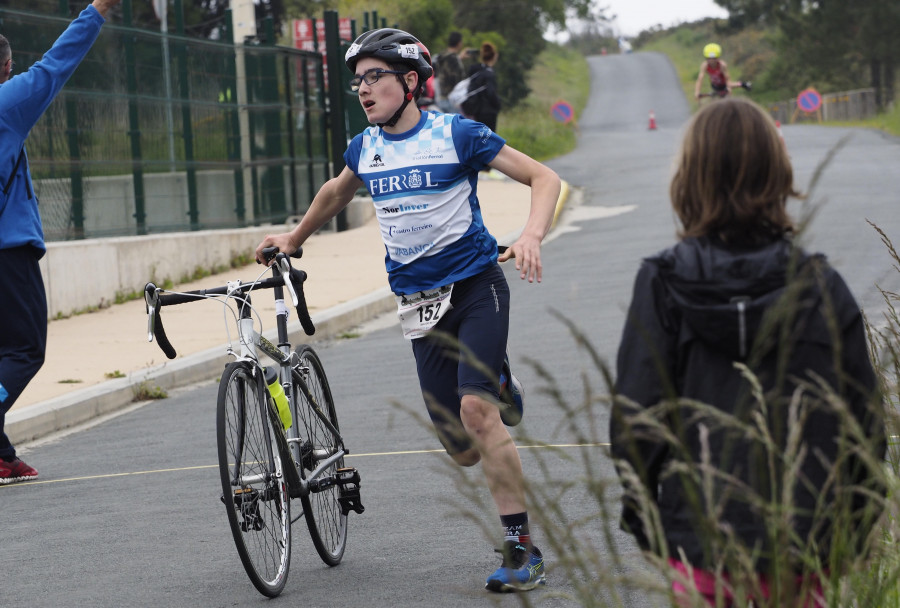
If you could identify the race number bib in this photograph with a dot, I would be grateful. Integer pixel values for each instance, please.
(420, 312)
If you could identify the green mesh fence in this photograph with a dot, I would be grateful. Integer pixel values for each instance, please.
(158, 133)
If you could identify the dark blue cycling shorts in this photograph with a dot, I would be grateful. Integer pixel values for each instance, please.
(464, 353)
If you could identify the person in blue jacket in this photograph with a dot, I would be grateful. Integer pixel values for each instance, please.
(23, 307)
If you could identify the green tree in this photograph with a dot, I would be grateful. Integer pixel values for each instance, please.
(305, 9)
(520, 25)
(516, 27)
(830, 43)
(428, 20)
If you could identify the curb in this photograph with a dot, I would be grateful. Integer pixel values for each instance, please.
(84, 405)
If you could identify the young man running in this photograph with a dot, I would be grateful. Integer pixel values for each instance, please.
(421, 169)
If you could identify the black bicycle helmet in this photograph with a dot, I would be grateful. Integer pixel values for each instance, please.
(393, 47)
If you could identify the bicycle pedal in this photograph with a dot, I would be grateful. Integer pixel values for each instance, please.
(349, 498)
(247, 502)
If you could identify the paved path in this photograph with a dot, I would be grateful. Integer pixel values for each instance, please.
(127, 512)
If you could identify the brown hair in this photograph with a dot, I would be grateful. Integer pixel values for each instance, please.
(488, 52)
(733, 175)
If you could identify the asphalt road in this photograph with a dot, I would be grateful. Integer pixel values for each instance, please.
(128, 511)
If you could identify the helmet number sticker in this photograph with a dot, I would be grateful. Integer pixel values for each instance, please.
(408, 51)
(352, 51)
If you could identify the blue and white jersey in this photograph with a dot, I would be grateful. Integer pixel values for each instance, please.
(423, 183)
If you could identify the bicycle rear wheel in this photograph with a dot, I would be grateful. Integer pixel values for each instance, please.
(326, 521)
(254, 491)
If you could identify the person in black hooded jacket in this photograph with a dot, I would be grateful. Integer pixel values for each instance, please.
(744, 383)
(484, 106)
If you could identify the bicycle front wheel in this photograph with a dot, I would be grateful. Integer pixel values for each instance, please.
(326, 521)
(254, 491)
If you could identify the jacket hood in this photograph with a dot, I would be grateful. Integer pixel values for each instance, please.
(721, 293)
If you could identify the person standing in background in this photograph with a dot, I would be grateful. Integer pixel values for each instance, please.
(484, 106)
(23, 100)
(745, 394)
(448, 68)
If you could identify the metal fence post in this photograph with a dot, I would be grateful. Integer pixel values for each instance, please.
(336, 102)
(187, 124)
(134, 128)
(76, 175)
(229, 98)
(274, 176)
(291, 132)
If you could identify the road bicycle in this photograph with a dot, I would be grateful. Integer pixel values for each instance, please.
(273, 447)
(723, 93)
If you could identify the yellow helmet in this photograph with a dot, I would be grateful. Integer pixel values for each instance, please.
(712, 51)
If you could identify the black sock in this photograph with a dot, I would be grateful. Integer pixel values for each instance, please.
(515, 527)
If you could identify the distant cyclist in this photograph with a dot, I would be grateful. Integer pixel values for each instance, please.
(717, 70)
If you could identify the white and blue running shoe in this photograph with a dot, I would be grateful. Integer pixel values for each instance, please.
(522, 570)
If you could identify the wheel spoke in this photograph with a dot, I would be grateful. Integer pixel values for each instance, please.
(253, 488)
(324, 517)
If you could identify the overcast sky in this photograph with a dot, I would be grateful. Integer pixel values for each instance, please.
(633, 16)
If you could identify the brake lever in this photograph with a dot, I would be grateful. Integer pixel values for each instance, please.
(284, 265)
(151, 299)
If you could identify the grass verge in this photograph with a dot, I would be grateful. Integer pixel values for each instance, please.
(559, 75)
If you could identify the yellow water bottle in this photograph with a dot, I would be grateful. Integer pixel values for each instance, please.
(277, 393)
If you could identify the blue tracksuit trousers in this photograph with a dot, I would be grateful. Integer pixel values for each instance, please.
(23, 328)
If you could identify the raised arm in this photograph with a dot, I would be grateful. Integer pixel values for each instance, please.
(103, 6)
(333, 196)
(545, 187)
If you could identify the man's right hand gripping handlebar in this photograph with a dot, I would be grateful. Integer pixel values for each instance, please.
(276, 242)
(284, 273)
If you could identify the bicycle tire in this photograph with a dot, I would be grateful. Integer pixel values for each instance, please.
(254, 491)
(324, 517)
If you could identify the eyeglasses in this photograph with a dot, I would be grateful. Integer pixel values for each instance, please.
(370, 77)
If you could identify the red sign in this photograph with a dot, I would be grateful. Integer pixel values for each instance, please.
(809, 100)
(562, 111)
(303, 33)
(303, 37)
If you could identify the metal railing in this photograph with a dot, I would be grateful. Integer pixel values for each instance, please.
(161, 132)
(847, 105)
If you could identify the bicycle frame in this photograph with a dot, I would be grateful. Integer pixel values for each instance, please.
(251, 344)
(259, 479)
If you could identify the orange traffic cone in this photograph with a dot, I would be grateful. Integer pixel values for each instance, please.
(652, 126)
(780, 134)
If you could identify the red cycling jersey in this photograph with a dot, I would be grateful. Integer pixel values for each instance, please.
(716, 77)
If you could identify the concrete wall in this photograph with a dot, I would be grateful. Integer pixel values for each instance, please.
(90, 272)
